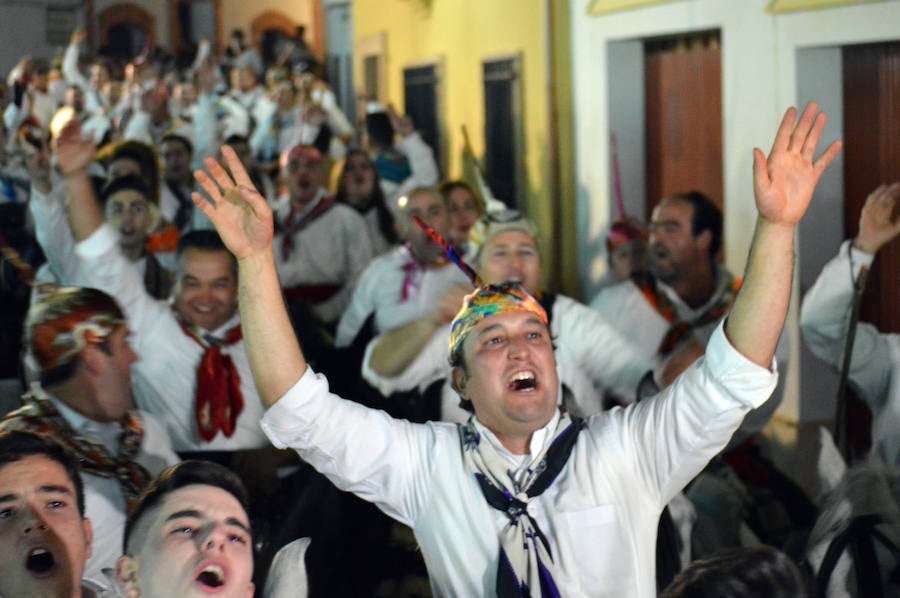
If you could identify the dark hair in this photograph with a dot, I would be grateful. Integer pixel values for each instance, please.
(186, 473)
(235, 138)
(739, 573)
(16, 445)
(143, 154)
(188, 146)
(380, 130)
(707, 216)
(376, 200)
(130, 182)
(448, 187)
(204, 240)
(458, 360)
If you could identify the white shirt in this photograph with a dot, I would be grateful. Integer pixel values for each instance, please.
(332, 249)
(591, 357)
(625, 307)
(600, 515)
(380, 289)
(165, 377)
(875, 364)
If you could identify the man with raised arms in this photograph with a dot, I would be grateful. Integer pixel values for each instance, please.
(524, 500)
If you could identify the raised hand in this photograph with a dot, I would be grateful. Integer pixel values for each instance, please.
(402, 124)
(74, 153)
(37, 163)
(783, 182)
(241, 215)
(879, 221)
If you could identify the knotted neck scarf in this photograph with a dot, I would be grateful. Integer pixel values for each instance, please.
(525, 566)
(218, 401)
(680, 329)
(40, 416)
(294, 223)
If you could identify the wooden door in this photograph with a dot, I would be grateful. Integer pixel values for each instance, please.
(683, 87)
(871, 157)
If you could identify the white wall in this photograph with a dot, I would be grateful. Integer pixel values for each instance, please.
(762, 70)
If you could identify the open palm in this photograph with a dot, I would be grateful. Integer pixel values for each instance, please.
(240, 214)
(784, 182)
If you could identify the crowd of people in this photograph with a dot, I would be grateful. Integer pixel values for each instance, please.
(244, 321)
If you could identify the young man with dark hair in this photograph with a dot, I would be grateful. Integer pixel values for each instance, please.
(189, 535)
(79, 340)
(524, 500)
(45, 537)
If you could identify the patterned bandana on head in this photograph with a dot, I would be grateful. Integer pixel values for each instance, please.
(525, 566)
(67, 319)
(487, 299)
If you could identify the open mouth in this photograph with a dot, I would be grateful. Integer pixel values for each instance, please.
(211, 576)
(40, 561)
(524, 380)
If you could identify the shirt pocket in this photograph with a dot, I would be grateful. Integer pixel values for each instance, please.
(592, 550)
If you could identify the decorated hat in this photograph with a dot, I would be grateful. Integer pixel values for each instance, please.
(487, 299)
(496, 222)
(64, 320)
(624, 230)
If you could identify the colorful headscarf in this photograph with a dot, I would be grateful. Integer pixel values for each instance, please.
(487, 299)
(67, 319)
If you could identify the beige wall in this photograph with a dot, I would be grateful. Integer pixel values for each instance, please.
(238, 14)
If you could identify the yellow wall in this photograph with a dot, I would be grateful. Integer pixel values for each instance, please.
(461, 34)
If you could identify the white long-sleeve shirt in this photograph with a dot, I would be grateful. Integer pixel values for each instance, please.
(380, 291)
(421, 163)
(591, 357)
(333, 249)
(600, 515)
(875, 364)
(624, 306)
(165, 377)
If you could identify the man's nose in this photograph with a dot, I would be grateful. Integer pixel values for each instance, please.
(32, 521)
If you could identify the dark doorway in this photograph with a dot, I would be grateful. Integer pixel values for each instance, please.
(420, 93)
(502, 129)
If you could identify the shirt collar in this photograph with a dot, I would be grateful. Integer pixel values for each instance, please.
(539, 439)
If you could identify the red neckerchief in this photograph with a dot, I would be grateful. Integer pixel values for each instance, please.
(219, 401)
(294, 224)
(678, 330)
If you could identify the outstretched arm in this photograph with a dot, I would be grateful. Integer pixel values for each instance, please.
(783, 185)
(244, 221)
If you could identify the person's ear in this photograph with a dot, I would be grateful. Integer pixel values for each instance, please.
(88, 537)
(250, 590)
(704, 240)
(127, 575)
(93, 358)
(458, 380)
